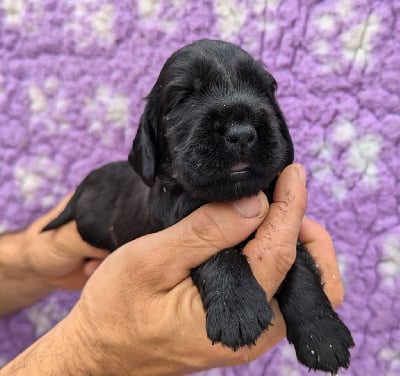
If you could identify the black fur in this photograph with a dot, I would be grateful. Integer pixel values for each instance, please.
(212, 131)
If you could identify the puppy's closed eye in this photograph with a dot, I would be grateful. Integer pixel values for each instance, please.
(175, 94)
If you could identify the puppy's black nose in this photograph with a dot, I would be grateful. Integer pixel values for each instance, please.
(241, 136)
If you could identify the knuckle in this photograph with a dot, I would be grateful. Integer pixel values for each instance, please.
(293, 199)
(206, 229)
(285, 203)
(283, 208)
(257, 247)
(284, 256)
(323, 236)
(147, 271)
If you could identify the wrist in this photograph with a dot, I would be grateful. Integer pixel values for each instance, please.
(14, 261)
(20, 285)
(10, 252)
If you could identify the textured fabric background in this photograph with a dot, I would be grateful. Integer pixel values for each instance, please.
(72, 78)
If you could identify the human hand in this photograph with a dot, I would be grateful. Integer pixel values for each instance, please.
(34, 263)
(140, 313)
(60, 257)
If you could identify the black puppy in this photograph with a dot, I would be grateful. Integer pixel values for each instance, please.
(212, 131)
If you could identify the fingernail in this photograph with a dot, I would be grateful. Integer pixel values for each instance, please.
(302, 174)
(248, 207)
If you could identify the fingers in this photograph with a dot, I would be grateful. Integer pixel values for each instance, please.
(172, 253)
(78, 278)
(59, 255)
(66, 238)
(319, 243)
(53, 213)
(273, 250)
(73, 281)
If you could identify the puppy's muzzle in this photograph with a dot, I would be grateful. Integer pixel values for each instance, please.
(240, 138)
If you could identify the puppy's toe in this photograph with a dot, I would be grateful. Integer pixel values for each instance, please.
(238, 320)
(322, 344)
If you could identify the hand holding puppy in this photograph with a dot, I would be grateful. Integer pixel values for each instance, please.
(140, 312)
(35, 263)
(212, 131)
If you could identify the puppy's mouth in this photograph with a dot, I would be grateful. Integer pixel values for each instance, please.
(239, 169)
(237, 180)
(240, 172)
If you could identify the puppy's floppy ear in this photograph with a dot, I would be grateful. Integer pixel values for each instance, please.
(142, 156)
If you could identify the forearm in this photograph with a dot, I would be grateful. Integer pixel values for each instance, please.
(59, 352)
(19, 285)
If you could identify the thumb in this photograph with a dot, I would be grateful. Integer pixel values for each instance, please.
(178, 249)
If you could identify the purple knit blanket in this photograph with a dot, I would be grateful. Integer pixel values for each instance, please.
(73, 75)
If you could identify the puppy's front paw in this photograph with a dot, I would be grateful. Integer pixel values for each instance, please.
(236, 305)
(322, 344)
(238, 318)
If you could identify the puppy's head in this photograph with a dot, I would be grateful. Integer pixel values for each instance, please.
(212, 124)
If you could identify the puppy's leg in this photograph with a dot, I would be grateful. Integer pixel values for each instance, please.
(320, 338)
(236, 305)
